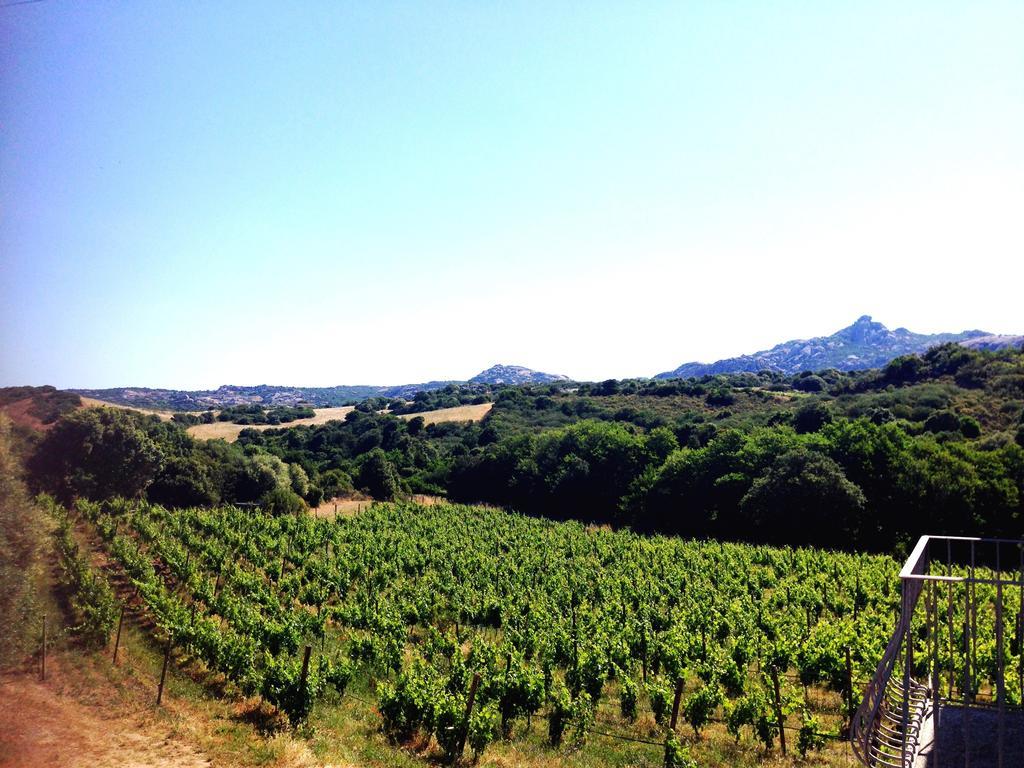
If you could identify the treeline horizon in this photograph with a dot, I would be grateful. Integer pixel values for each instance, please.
(858, 460)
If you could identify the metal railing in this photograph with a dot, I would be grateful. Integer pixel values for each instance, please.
(932, 661)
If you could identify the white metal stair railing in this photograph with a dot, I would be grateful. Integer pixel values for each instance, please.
(898, 722)
(886, 729)
(895, 742)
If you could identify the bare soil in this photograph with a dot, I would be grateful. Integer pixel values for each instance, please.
(52, 724)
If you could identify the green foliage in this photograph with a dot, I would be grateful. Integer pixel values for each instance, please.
(284, 687)
(810, 738)
(409, 704)
(743, 712)
(282, 501)
(584, 712)
(91, 597)
(648, 455)
(628, 698)
(803, 490)
(560, 712)
(810, 383)
(97, 453)
(942, 421)
(185, 481)
(337, 674)
(537, 603)
(377, 475)
(676, 755)
(256, 413)
(519, 691)
(661, 701)
(811, 417)
(483, 728)
(701, 706)
(21, 534)
(449, 396)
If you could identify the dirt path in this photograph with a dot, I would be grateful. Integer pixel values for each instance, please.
(41, 724)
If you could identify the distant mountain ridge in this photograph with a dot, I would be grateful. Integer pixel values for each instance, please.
(321, 397)
(994, 342)
(864, 344)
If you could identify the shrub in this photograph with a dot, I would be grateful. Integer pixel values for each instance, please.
(282, 501)
(628, 699)
(942, 421)
(701, 706)
(483, 728)
(810, 737)
(676, 755)
(659, 696)
(560, 711)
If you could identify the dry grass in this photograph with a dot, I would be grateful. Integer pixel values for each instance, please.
(225, 430)
(90, 402)
(458, 413)
(349, 731)
(344, 506)
(19, 413)
(347, 506)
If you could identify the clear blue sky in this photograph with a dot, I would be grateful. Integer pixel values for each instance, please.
(326, 193)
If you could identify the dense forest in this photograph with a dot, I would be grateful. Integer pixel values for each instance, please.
(866, 460)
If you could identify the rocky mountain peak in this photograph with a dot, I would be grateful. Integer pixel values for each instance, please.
(515, 374)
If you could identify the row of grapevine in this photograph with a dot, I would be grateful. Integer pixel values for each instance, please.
(552, 619)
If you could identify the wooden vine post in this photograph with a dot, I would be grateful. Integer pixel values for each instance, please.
(778, 710)
(163, 671)
(675, 704)
(469, 710)
(849, 688)
(117, 638)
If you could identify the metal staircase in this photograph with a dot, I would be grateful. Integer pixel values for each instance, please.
(931, 703)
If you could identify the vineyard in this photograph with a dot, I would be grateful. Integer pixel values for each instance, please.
(471, 625)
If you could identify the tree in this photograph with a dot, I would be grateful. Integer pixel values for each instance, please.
(378, 476)
(334, 483)
(661, 442)
(811, 416)
(804, 496)
(258, 474)
(903, 370)
(812, 383)
(184, 481)
(942, 421)
(282, 501)
(97, 453)
(298, 479)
